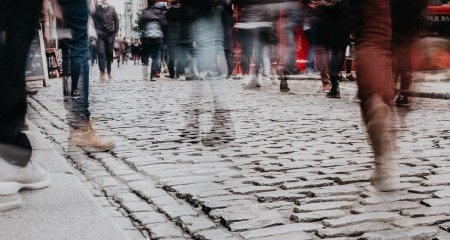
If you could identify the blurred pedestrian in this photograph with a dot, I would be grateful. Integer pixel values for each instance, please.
(153, 25)
(106, 25)
(126, 50)
(374, 23)
(75, 14)
(334, 28)
(293, 21)
(19, 23)
(135, 50)
(93, 50)
(310, 20)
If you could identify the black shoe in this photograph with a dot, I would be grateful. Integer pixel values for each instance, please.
(350, 77)
(402, 100)
(75, 93)
(284, 86)
(342, 78)
(334, 93)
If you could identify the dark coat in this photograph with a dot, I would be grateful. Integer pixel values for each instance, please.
(334, 24)
(106, 21)
(179, 20)
(149, 14)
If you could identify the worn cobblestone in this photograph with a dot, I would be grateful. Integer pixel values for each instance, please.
(312, 152)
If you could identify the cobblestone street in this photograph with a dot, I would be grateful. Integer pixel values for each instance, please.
(272, 165)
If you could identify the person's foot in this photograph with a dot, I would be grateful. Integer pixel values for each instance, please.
(152, 77)
(246, 80)
(157, 74)
(312, 72)
(102, 76)
(25, 127)
(402, 100)
(31, 91)
(334, 93)
(75, 93)
(350, 77)
(385, 177)
(284, 86)
(258, 80)
(87, 137)
(342, 78)
(15, 178)
(182, 78)
(326, 87)
(10, 202)
(110, 76)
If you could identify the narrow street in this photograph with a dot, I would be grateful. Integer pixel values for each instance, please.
(271, 166)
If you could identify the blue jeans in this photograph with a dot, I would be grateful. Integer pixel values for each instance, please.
(75, 14)
(311, 35)
(153, 51)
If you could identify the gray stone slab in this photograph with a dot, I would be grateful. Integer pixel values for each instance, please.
(410, 233)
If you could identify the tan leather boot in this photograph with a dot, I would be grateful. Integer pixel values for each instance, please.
(102, 76)
(385, 176)
(86, 137)
(110, 76)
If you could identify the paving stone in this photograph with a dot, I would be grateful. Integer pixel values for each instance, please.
(400, 234)
(278, 196)
(148, 193)
(317, 215)
(133, 207)
(436, 202)
(334, 191)
(127, 198)
(445, 226)
(360, 218)
(387, 198)
(348, 198)
(216, 234)
(353, 230)
(387, 207)
(164, 230)
(426, 211)
(193, 224)
(442, 235)
(148, 217)
(239, 213)
(105, 182)
(289, 236)
(323, 206)
(265, 220)
(352, 179)
(441, 180)
(165, 200)
(252, 189)
(176, 211)
(442, 193)
(426, 190)
(421, 221)
(306, 184)
(283, 229)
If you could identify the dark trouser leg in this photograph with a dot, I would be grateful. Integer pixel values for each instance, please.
(20, 24)
(101, 54)
(109, 48)
(145, 54)
(311, 35)
(155, 54)
(76, 17)
(229, 59)
(407, 22)
(245, 37)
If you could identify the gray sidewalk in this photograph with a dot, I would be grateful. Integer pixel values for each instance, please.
(65, 210)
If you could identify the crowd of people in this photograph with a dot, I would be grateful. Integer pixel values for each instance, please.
(197, 38)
